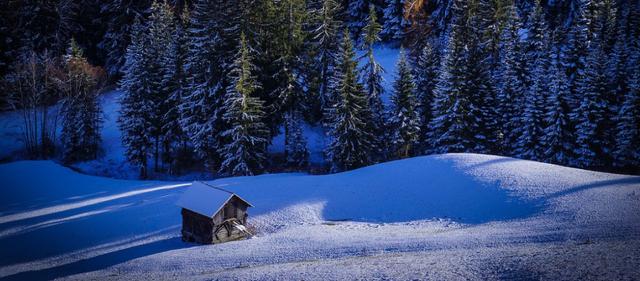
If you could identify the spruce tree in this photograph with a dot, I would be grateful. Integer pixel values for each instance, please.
(405, 120)
(175, 150)
(120, 16)
(627, 132)
(511, 77)
(201, 117)
(395, 22)
(426, 73)
(529, 143)
(592, 128)
(323, 48)
(456, 120)
(81, 113)
(161, 66)
(275, 31)
(156, 61)
(289, 92)
(245, 152)
(558, 135)
(371, 73)
(359, 14)
(573, 55)
(627, 150)
(352, 140)
(135, 107)
(618, 57)
(480, 57)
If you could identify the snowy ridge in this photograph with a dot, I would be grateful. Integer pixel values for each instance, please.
(452, 216)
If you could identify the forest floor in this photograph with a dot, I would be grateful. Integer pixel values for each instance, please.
(443, 217)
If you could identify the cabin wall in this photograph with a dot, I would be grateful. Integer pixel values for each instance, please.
(196, 228)
(202, 229)
(235, 208)
(218, 218)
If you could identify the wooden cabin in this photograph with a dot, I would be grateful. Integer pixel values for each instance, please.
(212, 215)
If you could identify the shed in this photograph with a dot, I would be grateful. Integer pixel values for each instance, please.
(212, 215)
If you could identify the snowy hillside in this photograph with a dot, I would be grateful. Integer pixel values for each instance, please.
(453, 216)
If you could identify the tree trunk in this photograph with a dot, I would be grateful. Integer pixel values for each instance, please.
(155, 154)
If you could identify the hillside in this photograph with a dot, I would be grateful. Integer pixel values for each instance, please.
(452, 216)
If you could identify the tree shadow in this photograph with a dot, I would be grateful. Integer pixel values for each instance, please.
(492, 162)
(599, 184)
(102, 261)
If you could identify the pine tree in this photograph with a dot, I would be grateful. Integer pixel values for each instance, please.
(120, 15)
(490, 18)
(604, 23)
(426, 74)
(620, 57)
(80, 108)
(592, 126)
(297, 154)
(480, 58)
(529, 143)
(371, 73)
(441, 19)
(456, 118)
(557, 134)
(405, 119)
(352, 139)
(275, 32)
(201, 117)
(573, 55)
(627, 132)
(133, 120)
(245, 152)
(288, 96)
(510, 76)
(627, 150)
(175, 150)
(45, 25)
(161, 67)
(359, 14)
(323, 50)
(395, 22)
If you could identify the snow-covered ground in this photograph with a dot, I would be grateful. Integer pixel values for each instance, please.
(446, 217)
(10, 134)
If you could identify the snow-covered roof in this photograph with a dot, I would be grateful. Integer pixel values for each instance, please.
(205, 199)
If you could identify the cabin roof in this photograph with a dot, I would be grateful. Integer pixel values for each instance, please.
(205, 199)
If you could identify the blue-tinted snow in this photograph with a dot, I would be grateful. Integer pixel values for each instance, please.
(55, 222)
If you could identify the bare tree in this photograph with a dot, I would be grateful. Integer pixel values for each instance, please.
(35, 89)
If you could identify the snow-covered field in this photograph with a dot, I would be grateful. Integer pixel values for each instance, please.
(444, 217)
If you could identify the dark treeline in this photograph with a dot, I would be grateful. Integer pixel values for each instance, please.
(211, 83)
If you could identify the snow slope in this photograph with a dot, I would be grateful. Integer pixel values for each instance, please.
(10, 134)
(453, 216)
